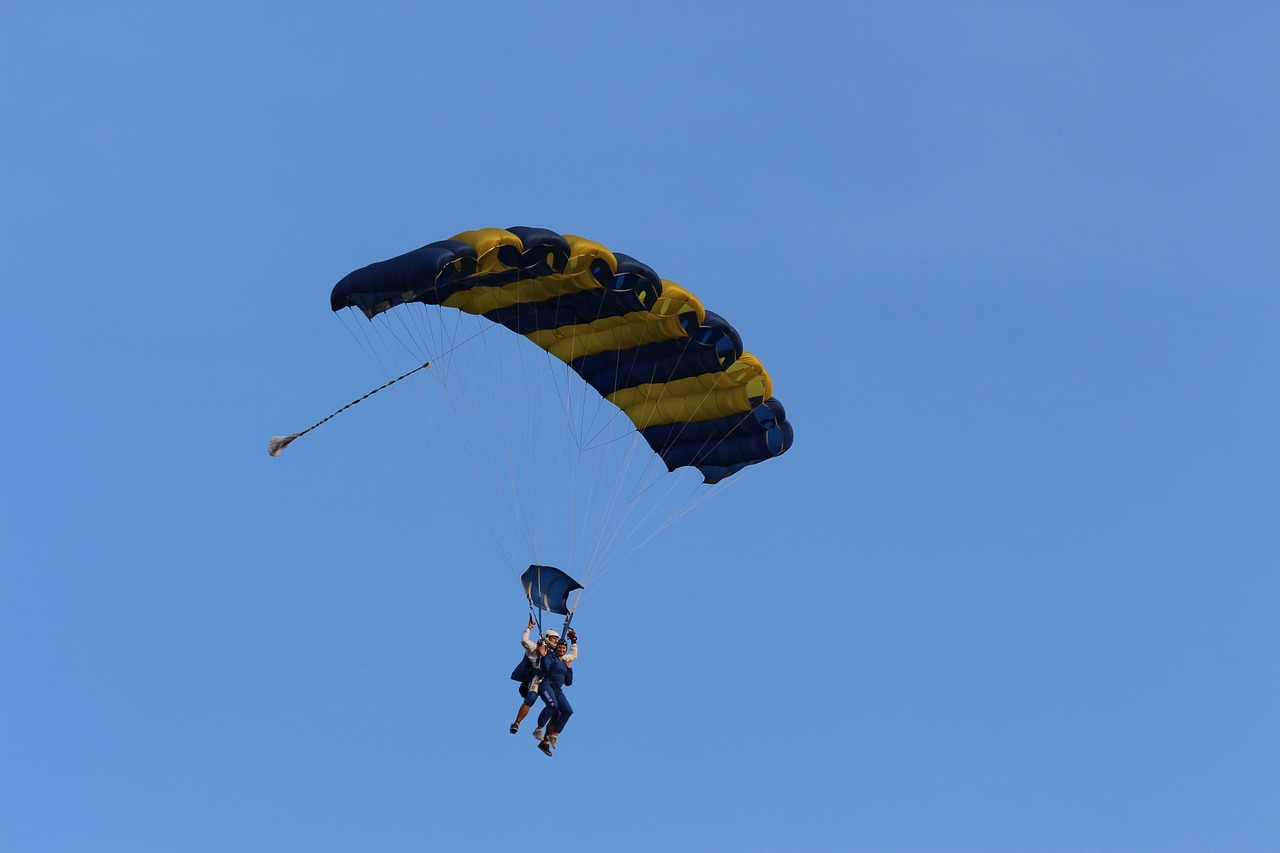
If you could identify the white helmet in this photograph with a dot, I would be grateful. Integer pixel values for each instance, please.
(551, 635)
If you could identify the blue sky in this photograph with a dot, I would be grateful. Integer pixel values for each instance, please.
(1013, 268)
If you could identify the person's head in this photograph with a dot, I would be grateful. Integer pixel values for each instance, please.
(562, 647)
(551, 637)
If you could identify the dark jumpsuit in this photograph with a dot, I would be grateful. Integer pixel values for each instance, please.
(554, 672)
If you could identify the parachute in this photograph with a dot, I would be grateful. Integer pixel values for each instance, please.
(645, 344)
(548, 588)
(646, 347)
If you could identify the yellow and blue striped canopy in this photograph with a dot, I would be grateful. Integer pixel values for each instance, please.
(677, 370)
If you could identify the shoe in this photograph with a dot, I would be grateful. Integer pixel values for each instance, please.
(545, 747)
(553, 740)
(537, 733)
(515, 727)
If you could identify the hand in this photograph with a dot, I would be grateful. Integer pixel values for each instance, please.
(572, 635)
(532, 624)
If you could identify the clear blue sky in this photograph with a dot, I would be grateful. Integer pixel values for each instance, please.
(1013, 267)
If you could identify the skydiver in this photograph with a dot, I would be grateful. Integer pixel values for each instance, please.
(544, 715)
(555, 672)
(529, 672)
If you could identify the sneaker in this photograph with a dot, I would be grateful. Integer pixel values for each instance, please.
(545, 747)
(537, 733)
(515, 727)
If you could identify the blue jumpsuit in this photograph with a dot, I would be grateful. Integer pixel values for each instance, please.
(554, 672)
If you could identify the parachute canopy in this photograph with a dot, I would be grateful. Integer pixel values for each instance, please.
(678, 371)
(548, 588)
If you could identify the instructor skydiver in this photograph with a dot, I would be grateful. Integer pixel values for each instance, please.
(529, 672)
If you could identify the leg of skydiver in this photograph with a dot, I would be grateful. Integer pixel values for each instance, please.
(561, 716)
(549, 699)
(529, 698)
(544, 716)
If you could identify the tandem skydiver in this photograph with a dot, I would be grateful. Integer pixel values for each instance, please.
(529, 673)
(556, 674)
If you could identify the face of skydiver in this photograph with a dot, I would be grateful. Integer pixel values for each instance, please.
(562, 648)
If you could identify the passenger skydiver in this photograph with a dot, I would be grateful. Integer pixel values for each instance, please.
(555, 672)
(547, 710)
